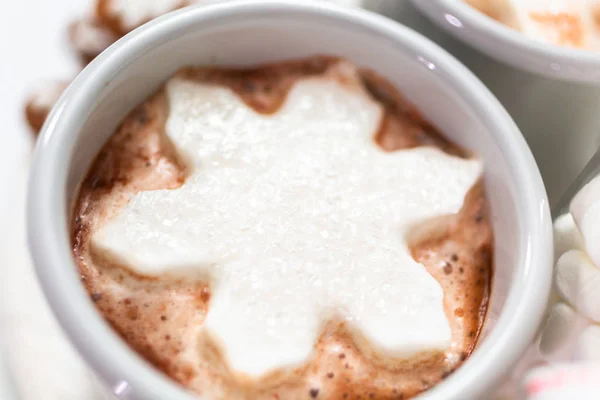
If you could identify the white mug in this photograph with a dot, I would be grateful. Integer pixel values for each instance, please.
(552, 92)
(253, 32)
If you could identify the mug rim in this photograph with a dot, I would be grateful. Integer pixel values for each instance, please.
(554, 61)
(122, 367)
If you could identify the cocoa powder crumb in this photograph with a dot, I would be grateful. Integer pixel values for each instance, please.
(205, 295)
(249, 86)
(132, 314)
(96, 297)
(448, 269)
(142, 116)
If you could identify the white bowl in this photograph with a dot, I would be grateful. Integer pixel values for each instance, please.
(509, 46)
(254, 32)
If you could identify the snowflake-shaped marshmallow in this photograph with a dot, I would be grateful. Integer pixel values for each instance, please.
(295, 218)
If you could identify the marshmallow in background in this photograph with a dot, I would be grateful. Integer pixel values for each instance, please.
(566, 235)
(587, 347)
(561, 328)
(578, 282)
(585, 209)
(570, 332)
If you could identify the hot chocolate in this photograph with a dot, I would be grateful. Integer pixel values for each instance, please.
(289, 231)
(571, 23)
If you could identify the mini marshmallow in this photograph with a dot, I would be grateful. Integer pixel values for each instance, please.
(123, 16)
(587, 347)
(90, 38)
(566, 235)
(585, 209)
(558, 329)
(578, 281)
(41, 101)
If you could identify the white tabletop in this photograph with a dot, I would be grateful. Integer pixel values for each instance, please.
(33, 46)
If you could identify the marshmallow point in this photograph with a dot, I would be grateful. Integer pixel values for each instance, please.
(577, 281)
(587, 347)
(566, 235)
(558, 329)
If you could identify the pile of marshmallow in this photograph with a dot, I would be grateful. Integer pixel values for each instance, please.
(572, 331)
(568, 357)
